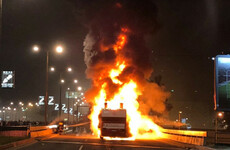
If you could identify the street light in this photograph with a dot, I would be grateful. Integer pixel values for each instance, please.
(60, 104)
(218, 115)
(75, 81)
(52, 69)
(35, 48)
(68, 89)
(179, 118)
(59, 49)
(69, 69)
(79, 88)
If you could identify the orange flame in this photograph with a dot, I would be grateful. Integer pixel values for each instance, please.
(140, 126)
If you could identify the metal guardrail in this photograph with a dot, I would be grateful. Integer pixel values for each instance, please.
(185, 136)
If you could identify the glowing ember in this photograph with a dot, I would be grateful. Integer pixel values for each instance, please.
(140, 126)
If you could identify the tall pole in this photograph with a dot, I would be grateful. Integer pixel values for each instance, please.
(179, 118)
(60, 105)
(0, 22)
(68, 104)
(77, 113)
(47, 80)
(73, 110)
(216, 126)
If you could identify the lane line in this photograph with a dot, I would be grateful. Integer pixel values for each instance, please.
(117, 145)
(81, 147)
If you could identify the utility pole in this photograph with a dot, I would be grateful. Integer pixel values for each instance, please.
(179, 118)
(68, 103)
(60, 103)
(47, 80)
(0, 22)
(73, 109)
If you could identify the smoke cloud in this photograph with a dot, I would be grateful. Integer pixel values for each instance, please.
(138, 17)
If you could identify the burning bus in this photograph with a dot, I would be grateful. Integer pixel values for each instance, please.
(113, 123)
(118, 63)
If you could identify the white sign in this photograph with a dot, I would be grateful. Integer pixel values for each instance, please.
(63, 107)
(70, 110)
(8, 78)
(51, 100)
(42, 99)
(56, 107)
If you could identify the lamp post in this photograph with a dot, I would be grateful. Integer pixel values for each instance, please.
(60, 104)
(59, 49)
(68, 92)
(179, 118)
(68, 102)
(218, 115)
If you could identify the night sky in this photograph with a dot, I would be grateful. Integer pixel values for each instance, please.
(191, 33)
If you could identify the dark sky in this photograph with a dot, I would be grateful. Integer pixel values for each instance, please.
(191, 33)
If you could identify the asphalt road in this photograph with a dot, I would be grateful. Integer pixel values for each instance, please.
(64, 142)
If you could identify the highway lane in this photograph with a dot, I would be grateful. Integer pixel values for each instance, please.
(60, 142)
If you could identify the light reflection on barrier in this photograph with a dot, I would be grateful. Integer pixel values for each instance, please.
(184, 136)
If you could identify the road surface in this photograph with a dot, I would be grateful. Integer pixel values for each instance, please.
(76, 142)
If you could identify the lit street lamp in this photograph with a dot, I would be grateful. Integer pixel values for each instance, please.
(59, 49)
(218, 115)
(69, 69)
(79, 88)
(75, 81)
(52, 69)
(179, 118)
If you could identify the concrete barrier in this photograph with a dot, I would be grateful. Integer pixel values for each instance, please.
(38, 131)
(185, 136)
(41, 133)
(20, 131)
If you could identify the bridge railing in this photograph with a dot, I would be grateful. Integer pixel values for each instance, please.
(186, 136)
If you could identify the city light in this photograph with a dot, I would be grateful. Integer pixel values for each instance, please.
(69, 69)
(15, 109)
(59, 49)
(79, 88)
(52, 69)
(11, 103)
(220, 114)
(62, 80)
(35, 48)
(30, 104)
(75, 81)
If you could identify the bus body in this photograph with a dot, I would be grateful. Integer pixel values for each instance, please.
(113, 123)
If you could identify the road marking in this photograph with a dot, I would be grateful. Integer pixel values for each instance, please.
(81, 147)
(117, 145)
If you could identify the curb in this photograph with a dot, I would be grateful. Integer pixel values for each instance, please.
(17, 143)
(204, 148)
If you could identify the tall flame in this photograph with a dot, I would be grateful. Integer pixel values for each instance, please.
(140, 126)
